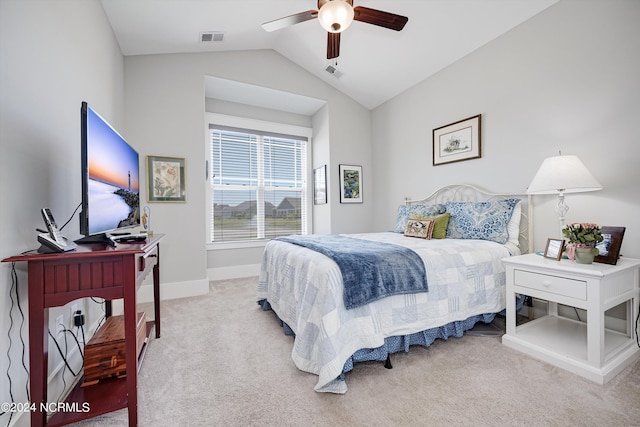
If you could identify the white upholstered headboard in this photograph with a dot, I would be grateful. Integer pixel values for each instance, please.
(470, 193)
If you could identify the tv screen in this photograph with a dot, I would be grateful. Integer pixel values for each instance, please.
(110, 179)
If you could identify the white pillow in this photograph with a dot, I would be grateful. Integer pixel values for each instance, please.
(513, 228)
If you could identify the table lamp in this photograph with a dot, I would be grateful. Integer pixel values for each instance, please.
(560, 175)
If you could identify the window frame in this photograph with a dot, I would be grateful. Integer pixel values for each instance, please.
(216, 119)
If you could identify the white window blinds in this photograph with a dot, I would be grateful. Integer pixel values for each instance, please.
(258, 184)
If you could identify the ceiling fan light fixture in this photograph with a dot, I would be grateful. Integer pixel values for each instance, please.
(335, 16)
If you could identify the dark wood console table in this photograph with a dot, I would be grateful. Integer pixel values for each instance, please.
(93, 270)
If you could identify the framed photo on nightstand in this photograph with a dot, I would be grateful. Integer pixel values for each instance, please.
(554, 249)
(609, 248)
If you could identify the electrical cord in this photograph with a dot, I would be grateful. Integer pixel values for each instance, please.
(637, 324)
(63, 355)
(75, 337)
(84, 339)
(15, 290)
(13, 285)
(64, 368)
(71, 217)
(101, 303)
(101, 321)
(14, 277)
(577, 314)
(66, 351)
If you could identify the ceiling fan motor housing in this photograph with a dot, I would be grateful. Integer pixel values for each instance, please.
(323, 2)
(335, 16)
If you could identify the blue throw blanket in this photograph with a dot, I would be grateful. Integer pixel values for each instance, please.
(370, 270)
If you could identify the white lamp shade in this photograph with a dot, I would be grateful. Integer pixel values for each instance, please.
(563, 174)
(335, 16)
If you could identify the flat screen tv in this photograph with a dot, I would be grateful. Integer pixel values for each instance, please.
(110, 180)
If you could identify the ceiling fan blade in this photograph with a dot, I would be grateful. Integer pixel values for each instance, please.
(280, 23)
(333, 45)
(379, 18)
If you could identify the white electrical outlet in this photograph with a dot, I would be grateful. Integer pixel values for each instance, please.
(74, 308)
(60, 326)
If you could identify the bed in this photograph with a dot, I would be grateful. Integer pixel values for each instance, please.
(464, 281)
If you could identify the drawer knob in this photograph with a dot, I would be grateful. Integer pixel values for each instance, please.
(546, 283)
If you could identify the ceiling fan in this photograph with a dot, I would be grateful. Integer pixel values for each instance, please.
(335, 16)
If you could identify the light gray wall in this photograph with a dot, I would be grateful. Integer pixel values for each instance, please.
(322, 157)
(165, 106)
(567, 80)
(256, 113)
(53, 55)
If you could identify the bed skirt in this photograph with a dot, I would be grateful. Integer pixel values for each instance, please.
(396, 344)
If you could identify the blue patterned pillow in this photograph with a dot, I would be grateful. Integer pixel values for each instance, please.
(404, 211)
(480, 220)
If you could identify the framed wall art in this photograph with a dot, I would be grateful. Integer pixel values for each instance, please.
(165, 179)
(609, 248)
(350, 184)
(320, 185)
(457, 141)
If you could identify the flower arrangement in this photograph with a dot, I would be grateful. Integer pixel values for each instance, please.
(583, 234)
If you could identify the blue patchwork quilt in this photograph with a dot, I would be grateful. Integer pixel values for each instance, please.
(370, 270)
(305, 288)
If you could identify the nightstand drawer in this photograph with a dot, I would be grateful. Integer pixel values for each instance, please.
(557, 285)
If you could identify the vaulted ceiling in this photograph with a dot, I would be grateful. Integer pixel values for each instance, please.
(375, 63)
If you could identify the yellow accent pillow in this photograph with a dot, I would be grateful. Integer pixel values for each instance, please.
(440, 223)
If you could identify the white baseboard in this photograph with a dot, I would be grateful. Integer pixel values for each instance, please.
(235, 272)
(168, 291)
(174, 290)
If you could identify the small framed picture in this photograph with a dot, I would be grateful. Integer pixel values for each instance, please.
(350, 184)
(165, 179)
(554, 249)
(609, 248)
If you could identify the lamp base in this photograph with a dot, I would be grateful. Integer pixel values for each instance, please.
(561, 209)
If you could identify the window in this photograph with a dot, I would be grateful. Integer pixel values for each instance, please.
(258, 184)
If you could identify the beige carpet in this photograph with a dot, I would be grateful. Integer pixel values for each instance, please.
(222, 361)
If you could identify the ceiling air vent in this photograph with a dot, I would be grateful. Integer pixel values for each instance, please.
(211, 36)
(333, 71)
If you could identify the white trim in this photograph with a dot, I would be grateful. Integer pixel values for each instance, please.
(168, 291)
(266, 126)
(245, 123)
(233, 272)
(174, 290)
(241, 244)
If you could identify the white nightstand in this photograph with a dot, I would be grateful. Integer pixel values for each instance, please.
(587, 349)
